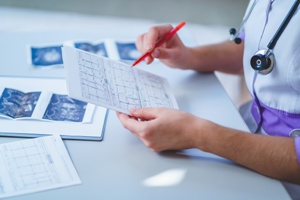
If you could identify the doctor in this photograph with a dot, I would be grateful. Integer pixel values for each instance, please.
(272, 73)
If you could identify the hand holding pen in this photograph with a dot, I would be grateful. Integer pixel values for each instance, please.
(159, 36)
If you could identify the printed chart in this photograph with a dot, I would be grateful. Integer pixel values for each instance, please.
(116, 85)
(34, 165)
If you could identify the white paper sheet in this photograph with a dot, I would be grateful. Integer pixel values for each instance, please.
(113, 84)
(34, 165)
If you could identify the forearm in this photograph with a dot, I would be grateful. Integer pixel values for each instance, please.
(225, 57)
(272, 156)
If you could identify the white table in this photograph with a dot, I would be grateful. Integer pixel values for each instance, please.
(120, 166)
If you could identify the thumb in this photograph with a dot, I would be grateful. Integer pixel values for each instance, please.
(144, 113)
(164, 53)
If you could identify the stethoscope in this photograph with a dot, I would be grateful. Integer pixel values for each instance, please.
(263, 60)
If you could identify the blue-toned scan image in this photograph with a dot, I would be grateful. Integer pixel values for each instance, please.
(10, 102)
(84, 46)
(98, 49)
(64, 108)
(128, 51)
(46, 56)
(16, 104)
(28, 104)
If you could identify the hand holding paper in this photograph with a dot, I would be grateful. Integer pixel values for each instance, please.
(113, 84)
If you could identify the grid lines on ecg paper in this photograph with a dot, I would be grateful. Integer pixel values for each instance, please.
(92, 79)
(125, 91)
(25, 163)
(153, 93)
(119, 85)
(106, 82)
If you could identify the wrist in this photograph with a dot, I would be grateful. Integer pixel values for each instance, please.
(192, 57)
(197, 59)
(204, 134)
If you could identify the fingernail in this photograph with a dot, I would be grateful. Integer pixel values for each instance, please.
(155, 53)
(147, 60)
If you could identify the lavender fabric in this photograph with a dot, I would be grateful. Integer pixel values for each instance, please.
(277, 122)
(297, 145)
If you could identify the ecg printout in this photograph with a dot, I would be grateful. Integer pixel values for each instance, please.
(113, 84)
(34, 165)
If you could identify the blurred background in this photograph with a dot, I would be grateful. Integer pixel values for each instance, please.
(208, 21)
(207, 12)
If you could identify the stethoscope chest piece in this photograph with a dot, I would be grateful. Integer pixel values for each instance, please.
(295, 133)
(263, 61)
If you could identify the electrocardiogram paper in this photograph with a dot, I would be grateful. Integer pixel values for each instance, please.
(34, 165)
(113, 84)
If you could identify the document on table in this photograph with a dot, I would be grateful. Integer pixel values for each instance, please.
(113, 84)
(61, 115)
(34, 165)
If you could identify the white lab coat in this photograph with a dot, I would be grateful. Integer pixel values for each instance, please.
(280, 89)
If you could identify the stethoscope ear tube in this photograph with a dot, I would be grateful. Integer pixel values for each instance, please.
(283, 25)
(235, 33)
(263, 61)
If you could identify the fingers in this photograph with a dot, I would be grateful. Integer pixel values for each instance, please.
(154, 34)
(133, 124)
(128, 122)
(140, 44)
(157, 127)
(164, 53)
(147, 41)
(145, 113)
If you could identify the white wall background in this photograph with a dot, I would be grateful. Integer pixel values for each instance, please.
(214, 17)
(207, 12)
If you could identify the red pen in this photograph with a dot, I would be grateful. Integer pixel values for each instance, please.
(161, 42)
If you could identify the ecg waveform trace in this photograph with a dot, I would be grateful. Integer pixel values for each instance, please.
(118, 85)
(153, 93)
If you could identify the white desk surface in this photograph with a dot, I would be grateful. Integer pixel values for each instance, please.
(118, 166)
